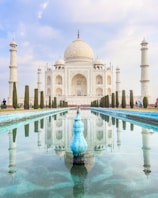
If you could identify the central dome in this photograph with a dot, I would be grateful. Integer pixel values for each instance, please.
(78, 50)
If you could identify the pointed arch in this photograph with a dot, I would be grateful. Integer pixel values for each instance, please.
(99, 79)
(99, 92)
(79, 85)
(49, 92)
(109, 91)
(59, 80)
(109, 80)
(48, 80)
(58, 92)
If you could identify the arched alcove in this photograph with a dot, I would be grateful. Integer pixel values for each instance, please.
(58, 80)
(79, 85)
(48, 92)
(109, 80)
(109, 91)
(48, 80)
(99, 79)
(58, 92)
(99, 92)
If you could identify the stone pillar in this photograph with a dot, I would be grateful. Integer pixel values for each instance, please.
(13, 70)
(118, 88)
(144, 70)
(39, 82)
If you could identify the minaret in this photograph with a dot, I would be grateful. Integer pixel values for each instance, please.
(144, 70)
(13, 70)
(39, 80)
(118, 89)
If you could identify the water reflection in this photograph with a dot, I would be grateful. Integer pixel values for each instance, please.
(146, 150)
(78, 174)
(12, 152)
(104, 135)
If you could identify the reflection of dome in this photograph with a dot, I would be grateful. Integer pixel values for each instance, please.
(99, 149)
(60, 150)
(78, 50)
(89, 160)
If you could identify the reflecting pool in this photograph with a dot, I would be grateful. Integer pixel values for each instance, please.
(121, 159)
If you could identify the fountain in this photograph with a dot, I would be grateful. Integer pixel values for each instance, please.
(78, 144)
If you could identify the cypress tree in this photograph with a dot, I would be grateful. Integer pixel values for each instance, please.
(41, 100)
(14, 134)
(52, 103)
(124, 124)
(36, 129)
(113, 101)
(26, 97)
(123, 99)
(42, 123)
(107, 101)
(35, 98)
(131, 99)
(55, 102)
(15, 103)
(117, 99)
(49, 102)
(26, 128)
(145, 102)
(61, 104)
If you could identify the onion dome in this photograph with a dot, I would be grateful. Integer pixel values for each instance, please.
(98, 62)
(78, 50)
(60, 62)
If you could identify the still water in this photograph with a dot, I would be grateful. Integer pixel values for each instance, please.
(121, 160)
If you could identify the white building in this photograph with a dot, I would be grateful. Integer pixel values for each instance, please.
(79, 78)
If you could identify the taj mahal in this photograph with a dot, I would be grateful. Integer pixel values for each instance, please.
(79, 77)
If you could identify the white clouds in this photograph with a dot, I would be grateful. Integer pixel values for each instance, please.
(43, 7)
(100, 10)
(114, 28)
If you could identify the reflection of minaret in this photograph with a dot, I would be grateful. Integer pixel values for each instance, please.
(13, 70)
(39, 138)
(48, 132)
(12, 152)
(146, 150)
(144, 70)
(118, 130)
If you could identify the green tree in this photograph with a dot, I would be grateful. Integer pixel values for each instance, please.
(26, 97)
(117, 99)
(49, 105)
(123, 99)
(55, 102)
(107, 103)
(26, 128)
(41, 100)
(145, 102)
(15, 102)
(131, 99)
(113, 101)
(35, 98)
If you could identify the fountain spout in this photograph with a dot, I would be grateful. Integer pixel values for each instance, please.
(78, 144)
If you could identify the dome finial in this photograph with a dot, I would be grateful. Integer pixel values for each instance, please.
(78, 34)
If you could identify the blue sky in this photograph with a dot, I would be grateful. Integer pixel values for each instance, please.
(44, 28)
